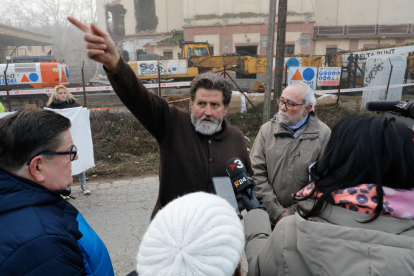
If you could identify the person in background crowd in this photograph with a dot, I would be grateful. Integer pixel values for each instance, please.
(195, 146)
(197, 234)
(61, 98)
(285, 147)
(41, 233)
(2, 109)
(357, 218)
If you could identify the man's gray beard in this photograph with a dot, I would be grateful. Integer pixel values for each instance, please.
(206, 128)
(289, 121)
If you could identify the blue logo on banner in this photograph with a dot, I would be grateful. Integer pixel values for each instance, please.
(292, 62)
(308, 74)
(33, 77)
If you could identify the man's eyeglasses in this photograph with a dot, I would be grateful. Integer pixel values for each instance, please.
(289, 104)
(73, 151)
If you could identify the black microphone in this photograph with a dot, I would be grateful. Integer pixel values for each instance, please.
(237, 172)
(382, 105)
(243, 184)
(405, 109)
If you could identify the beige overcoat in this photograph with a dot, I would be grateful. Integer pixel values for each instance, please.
(280, 161)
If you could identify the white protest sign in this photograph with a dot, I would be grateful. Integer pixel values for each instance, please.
(302, 74)
(363, 55)
(329, 76)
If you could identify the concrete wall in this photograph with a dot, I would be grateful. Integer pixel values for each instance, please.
(130, 21)
(298, 10)
(100, 13)
(170, 15)
(321, 45)
(371, 42)
(220, 7)
(173, 14)
(367, 12)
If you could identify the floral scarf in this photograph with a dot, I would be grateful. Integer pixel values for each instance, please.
(363, 198)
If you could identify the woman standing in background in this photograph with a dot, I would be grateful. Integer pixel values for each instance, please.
(61, 98)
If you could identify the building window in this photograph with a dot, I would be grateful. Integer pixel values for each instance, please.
(43, 49)
(29, 48)
(289, 49)
(168, 55)
(211, 50)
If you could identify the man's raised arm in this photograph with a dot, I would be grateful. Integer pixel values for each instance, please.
(151, 110)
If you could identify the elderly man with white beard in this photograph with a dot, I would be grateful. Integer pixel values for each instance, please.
(284, 149)
(193, 147)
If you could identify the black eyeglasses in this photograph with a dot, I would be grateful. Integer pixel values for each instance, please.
(73, 151)
(289, 104)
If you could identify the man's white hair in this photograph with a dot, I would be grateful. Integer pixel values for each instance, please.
(309, 97)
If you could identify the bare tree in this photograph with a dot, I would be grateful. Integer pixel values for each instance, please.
(49, 17)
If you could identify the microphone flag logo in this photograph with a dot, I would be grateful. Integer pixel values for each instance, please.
(237, 183)
(232, 166)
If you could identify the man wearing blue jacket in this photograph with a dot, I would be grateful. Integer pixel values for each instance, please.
(40, 232)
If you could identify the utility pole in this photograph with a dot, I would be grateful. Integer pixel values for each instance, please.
(269, 60)
(280, 50)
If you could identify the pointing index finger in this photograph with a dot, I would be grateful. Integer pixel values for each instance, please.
(79, 24)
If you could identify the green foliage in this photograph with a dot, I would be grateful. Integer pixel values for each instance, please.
(174, 40)
(206, 16)
(228, 15)
(242, 15)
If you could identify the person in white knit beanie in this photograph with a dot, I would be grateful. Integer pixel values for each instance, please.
(197, 234)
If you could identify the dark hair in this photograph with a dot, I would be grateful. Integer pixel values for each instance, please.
(365, 149)
(212, 82)
(28, 132)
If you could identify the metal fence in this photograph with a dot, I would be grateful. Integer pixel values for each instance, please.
(171, 80)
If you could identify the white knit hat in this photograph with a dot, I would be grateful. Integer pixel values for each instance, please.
(197, 234)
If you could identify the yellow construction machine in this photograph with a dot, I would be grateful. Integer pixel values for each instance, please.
(196, 58)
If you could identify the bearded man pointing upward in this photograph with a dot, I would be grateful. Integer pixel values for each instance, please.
(194, 147)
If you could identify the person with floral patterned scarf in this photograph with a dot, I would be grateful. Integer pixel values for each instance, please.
(355, 218)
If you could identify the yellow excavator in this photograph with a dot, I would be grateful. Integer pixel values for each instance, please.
(196, 58)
